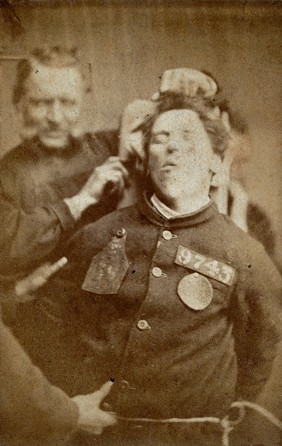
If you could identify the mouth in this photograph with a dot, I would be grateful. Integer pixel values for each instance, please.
(169, 165)
(54, 133)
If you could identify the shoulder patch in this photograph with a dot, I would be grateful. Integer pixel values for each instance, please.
(108, 268)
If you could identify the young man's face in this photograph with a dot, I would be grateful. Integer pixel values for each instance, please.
(180, 155)
(51, 105)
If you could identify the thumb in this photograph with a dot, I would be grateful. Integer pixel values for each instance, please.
(225, 121)
(103, 391)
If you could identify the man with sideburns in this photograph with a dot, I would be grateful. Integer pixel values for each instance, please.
(168, 298)
(59, 177)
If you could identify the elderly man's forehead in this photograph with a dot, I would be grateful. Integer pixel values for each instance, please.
(42, 75)
(176, 119)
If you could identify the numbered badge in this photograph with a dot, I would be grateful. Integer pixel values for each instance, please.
(195, 291)
(205, 265)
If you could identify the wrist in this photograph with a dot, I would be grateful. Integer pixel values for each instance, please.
(79, 203)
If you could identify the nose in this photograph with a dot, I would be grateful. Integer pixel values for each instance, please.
(55, 114)
(173, 145)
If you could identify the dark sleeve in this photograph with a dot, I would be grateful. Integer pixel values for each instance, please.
(50, 327)
(109, 141)
(257, 327)
(32, 411)
(259, 227)
(26, 238)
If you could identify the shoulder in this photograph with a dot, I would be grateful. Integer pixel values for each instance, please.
(18, 157)
(14, 155)
(237, 235)
(244, 249)
(253, 261)
(95, 235)
(91, 239)
(260, 227)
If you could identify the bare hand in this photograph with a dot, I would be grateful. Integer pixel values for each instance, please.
(131, 137)
(187, 81)
(110, 177)
(220, 182)
(91, 418)
(238, 213)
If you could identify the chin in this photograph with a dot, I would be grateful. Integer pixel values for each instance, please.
(55, 143)
(166, 193)
(170, 188)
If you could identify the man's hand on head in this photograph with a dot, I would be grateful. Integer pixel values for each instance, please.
(187, 81)
(109, 178)
(133, 117)
(179, 80)
(91, 418)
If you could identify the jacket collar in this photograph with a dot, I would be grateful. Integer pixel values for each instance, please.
(147, 209)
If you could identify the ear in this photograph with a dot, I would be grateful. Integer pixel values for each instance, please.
(216, 163)
(21, 112)
(27, 129)
(215, 168)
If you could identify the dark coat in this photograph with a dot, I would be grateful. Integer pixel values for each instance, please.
(32, 412)
(167, 359)
(35, 221)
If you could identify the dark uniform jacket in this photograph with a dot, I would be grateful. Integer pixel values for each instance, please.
(34, 180)
(125, 308)
(32, 412)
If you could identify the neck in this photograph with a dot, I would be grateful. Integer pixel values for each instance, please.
(186, 204)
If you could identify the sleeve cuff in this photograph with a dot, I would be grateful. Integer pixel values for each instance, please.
(64, 214)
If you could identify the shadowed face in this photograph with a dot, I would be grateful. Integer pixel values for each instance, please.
(180, 155)
(51, 105)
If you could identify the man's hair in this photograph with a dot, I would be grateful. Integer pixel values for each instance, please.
(54, 56)
(237, 121)
(204, 107)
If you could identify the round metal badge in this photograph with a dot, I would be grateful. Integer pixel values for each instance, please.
(195, 291)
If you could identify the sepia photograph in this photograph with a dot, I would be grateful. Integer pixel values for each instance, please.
(140, 223)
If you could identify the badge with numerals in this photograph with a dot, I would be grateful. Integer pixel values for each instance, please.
(205, 265)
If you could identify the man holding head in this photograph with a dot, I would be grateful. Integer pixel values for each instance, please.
(57, 173)
(168, 297)
(60, 178)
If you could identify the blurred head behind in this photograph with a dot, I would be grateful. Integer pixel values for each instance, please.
(184, 141)
(48, 96)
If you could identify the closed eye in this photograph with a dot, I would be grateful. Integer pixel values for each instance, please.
(68, 102)
(159, 138)
(39, 102)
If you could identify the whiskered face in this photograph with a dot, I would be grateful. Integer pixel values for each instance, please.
(181, 157)
(51, 105)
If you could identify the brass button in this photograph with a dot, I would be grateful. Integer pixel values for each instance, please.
(167, 235)
(143, 325)
(156, 271)
(121, 232)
